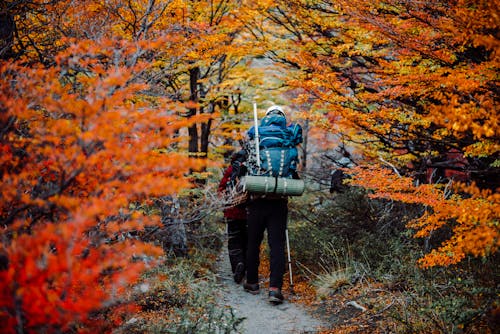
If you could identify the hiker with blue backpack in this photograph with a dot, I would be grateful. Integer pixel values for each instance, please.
(272, 167)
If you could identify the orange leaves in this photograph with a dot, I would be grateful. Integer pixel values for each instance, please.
(433, 64)
(411, 81)
(387, 184)
(63, 276)
(474, 217)
(474, 238)
(81, 146)
(87, 136)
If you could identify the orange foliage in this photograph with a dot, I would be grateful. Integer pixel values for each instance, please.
(411, 80)
(81, 144)
(82, 135)
(97, 96)
(473, 215)
(413, 83)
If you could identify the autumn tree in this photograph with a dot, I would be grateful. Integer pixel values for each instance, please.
(208, 54)
(82, 138)
(92, 110)
(410, 84)
(200, 65)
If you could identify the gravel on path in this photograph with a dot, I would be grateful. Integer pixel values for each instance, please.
(262, 317)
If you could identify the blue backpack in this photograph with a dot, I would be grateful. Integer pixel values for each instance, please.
(277, 147)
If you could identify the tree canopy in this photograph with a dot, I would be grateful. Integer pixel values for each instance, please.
(108, 104)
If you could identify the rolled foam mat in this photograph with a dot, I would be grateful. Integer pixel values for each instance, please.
(273, 185)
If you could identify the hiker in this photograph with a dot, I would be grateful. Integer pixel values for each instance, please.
(235, 217)
(270, 211)
(338, 176)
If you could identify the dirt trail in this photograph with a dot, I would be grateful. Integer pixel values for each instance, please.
(261, 316)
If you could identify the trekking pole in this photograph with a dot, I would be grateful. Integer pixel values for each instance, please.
(289, 260)
(255, 118)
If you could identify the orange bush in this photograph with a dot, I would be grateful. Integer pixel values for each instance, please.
(472, 216)
(80, 144)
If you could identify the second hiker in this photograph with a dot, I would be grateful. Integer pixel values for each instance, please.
(235, 217)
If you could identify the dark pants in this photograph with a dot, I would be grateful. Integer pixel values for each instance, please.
(271, 215)
(236, 241)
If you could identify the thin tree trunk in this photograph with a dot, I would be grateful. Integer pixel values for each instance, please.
(7, 28)
(194, 75)
(205, 136)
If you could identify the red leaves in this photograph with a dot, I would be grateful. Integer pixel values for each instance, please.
(81, 153)
(59, 277)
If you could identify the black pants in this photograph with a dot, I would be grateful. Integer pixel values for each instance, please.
(236, 241)
(271, 215)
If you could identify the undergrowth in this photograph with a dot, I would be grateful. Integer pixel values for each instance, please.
(357, 254)
(178, 295)
(354, 249)
(181, 300)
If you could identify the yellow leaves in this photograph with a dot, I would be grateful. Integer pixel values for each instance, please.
(481, 149)
(460, 127)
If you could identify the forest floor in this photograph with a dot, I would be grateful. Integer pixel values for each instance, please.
(259, 315)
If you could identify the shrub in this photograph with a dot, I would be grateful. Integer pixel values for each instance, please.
(345, 237)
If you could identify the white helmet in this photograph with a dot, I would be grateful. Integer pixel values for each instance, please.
(275, 110)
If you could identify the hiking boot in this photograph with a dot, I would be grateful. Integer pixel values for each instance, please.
(252, 288)
(275, 296)
(239, 272)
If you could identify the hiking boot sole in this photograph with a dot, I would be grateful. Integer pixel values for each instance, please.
(275, 301)
(253, 292)
(251, 288)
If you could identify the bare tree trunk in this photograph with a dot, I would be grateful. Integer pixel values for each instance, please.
(194, 75)
(173, 235)
(7, 28)
(205, 136)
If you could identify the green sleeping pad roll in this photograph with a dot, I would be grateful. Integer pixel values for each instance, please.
(273, 185)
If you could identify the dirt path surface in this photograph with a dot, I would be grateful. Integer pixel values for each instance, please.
(261, 316)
